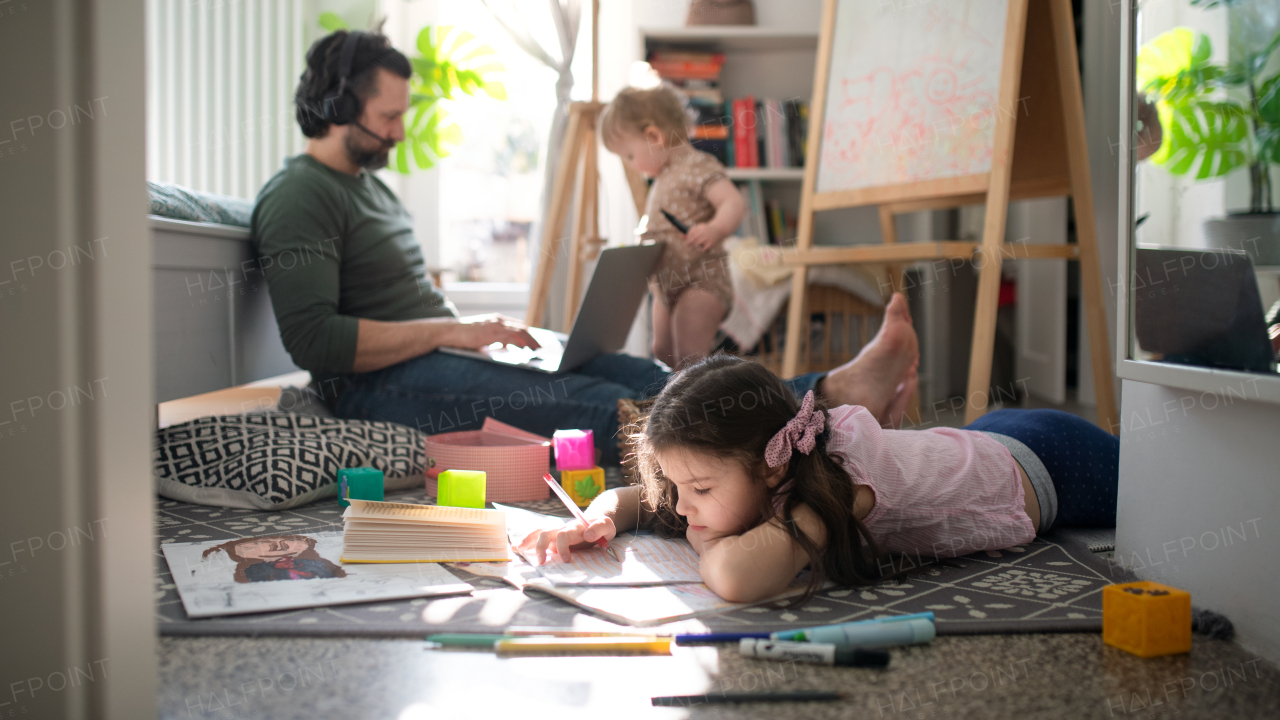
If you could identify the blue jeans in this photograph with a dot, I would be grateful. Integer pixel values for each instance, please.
(440, 392)
(1082, 460)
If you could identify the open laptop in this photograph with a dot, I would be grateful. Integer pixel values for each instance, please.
(604, 319)
(1200, 307)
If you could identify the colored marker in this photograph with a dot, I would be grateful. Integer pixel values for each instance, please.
(871, 635)
(573, 508)
(718, 698)
(509, 647)
(796, 634)
(463, 640)
(821, 653)
(684, 229)
(704, 638)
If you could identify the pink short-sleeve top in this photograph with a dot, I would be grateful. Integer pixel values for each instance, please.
(940, 492)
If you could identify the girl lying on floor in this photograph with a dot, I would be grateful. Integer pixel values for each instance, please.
(762, 485)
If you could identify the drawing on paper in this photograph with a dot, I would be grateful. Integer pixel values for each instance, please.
(646, 559)
(911, 94)
(276, 557)
(252, 575)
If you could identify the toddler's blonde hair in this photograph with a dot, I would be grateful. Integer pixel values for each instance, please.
(634, 110)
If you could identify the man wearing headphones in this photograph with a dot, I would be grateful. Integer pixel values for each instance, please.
(355, 307)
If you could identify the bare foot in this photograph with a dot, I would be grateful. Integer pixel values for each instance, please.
(901, 401)
(873, 378)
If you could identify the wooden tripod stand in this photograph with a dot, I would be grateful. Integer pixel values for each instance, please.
(577, 182)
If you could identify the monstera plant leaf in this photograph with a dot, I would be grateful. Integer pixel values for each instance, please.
(1267, 134)
(1208, 139)
(452, 63)
(1175, 67)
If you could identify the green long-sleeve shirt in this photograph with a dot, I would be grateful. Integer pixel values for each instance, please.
(335, 248)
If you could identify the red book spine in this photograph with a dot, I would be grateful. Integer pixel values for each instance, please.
(744, 136)
(741, 153)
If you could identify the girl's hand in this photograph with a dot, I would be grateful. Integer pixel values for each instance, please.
(571, 535)
(704, 236)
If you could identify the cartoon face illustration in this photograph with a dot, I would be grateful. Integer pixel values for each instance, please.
(277, 557)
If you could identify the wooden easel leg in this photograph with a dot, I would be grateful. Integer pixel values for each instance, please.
(582, 207)
(889, 234)
(1095, 309)
(997, 209)
(984, 328)
(797, 322)
(554, 222)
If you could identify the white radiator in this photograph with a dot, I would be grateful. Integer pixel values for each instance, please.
(220, 81)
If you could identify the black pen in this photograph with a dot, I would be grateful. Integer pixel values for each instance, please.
(684, 229)
(717, 698)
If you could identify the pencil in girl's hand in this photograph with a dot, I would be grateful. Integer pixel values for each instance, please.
(573, 508)
(684, 229)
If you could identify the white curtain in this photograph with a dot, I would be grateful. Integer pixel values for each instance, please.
(565, 15)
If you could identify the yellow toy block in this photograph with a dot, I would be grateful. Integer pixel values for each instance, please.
(584, 485)
(1146, 618)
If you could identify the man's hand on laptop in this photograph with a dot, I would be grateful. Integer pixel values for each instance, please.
(479, 331)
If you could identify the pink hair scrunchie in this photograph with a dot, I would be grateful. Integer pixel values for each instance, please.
(800, 433)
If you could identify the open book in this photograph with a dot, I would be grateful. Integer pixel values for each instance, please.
(657, 582)
(387, 532)
(646, 559)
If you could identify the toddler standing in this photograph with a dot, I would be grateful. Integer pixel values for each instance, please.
(691, 287)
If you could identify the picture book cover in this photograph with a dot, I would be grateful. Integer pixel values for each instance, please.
(287, 572)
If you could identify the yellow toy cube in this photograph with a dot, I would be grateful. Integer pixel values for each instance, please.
(1146, 618)
(584, 485)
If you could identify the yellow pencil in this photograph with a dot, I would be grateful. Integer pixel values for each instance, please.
(584, 646)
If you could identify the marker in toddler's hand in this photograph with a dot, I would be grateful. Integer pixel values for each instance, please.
(573, 508)
(684, 229)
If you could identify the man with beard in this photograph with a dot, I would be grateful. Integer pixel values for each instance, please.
(355, 307)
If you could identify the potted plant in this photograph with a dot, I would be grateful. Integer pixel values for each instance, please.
(451, 61)
(1216, 119)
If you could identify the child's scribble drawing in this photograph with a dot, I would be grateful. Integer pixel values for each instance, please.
(912, 93)
(276, 557)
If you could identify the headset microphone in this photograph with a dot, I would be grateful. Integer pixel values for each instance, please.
(388, 142)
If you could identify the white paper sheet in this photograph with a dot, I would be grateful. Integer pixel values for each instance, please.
(209, 588)
(646, 558)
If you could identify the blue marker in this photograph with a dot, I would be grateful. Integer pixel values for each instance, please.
(703, 638)
(880, 632)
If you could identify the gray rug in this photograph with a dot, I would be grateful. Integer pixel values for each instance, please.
(1052, 584)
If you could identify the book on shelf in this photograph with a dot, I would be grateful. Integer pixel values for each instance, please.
(389, 532)
(740, 132)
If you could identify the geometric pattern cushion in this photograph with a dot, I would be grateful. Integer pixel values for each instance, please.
(274, 461)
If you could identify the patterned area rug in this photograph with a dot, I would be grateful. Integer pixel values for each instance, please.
(1050, 585)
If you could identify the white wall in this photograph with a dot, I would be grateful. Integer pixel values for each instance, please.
(1199, 502)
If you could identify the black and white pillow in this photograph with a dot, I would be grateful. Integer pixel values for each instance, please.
(275, 461)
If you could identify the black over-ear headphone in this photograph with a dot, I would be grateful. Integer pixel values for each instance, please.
(342, 107)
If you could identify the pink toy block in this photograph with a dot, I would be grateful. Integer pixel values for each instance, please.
(575, 449)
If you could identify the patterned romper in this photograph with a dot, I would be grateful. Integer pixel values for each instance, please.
(680, 190)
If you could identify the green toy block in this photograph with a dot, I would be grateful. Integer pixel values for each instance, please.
(360, 483)
(583, 485)
(461, 488)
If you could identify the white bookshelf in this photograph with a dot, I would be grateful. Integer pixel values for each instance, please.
(733, 38)
(761, 61)
(787, 174)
